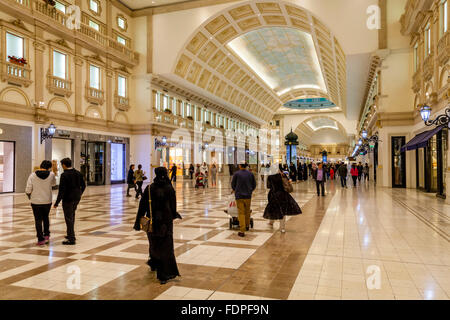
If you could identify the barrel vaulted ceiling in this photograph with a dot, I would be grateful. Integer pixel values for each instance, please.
(309, 128)
(297, 55)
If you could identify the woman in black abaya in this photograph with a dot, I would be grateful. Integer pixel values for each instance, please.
(281, 203)
(162, 254)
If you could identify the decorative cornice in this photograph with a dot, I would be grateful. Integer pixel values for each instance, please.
(19, 23)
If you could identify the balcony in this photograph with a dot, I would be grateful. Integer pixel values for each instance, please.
(417, 81)
(95, 96)
(59, 86)
(39, 9)
(16, 74)
(444, 49)
(121, 103)
(428, 67)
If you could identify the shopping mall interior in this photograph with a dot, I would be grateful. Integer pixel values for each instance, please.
(111, 83)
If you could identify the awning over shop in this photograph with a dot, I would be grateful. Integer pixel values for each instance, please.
(421, 140)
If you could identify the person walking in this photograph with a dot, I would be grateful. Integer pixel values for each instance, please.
(191, 171)
(243, 185)
(280, 203)
(354, 173)
(320, 177)
(293, 172)
(139, 178)
(262, 172)
(305, 172)
(332, 172)
(343, 172)
(366, 171)
(360, 171)
(173, 172)
(39, 191)
(71, 188)
(130, 180)
(213, 175)
(161, 196)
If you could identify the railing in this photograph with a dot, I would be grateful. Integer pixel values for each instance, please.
(59, 85)
(60, 18)
(121, 103)
(16, 73)
(94, 95)
(93, 34)
(428, 67)
(176, 120)
(444, 48)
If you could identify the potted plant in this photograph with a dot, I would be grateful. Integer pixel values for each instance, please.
(207, 122)
(50, 2)
(18, 61)
(168, 111)
(221, 127)
(189, 118)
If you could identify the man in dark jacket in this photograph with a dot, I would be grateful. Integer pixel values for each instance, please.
(173, 172)
(243, 185)
(320, 176)
(71, 187)
(360, 171)
(343, 172)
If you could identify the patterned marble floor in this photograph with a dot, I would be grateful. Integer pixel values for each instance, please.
(363, 243)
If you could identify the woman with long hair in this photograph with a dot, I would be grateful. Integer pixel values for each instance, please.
(162, 198)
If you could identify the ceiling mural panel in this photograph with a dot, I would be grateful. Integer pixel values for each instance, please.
(311, 103)
(295, 55)
(285, 58)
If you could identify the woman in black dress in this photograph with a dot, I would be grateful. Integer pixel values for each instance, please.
(281, 203)
(164, 211)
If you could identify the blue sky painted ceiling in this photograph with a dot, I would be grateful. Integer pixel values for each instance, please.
(313, 103)
(284, 58)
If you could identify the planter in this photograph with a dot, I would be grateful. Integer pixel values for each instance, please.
(17, 62)
(189, 118)
(168, 111)
(207, 122)
(50, 2)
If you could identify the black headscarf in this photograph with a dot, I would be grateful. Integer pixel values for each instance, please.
(162, 176)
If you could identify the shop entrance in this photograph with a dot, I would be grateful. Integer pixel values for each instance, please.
(61, 148)
(117, 163)
(7, 160)
(398, 162)
(93, 162)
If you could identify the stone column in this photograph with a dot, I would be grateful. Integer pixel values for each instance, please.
(39, 73)
(109, 92)
(78, 92)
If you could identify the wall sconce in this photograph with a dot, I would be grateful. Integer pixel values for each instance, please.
(48, 133)
(441, 120)
(160, 143)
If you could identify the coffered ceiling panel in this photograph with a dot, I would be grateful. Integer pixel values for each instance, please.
(260, 55)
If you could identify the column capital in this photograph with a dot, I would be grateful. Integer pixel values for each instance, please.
(38, 45)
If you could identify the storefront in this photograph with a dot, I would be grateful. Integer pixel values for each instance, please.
(431, 160)
(15, 157)
(398, 162)
(61, 148)
(118, 160)
(100, 158)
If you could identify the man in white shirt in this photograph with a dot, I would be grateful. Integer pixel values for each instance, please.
(39, 191)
